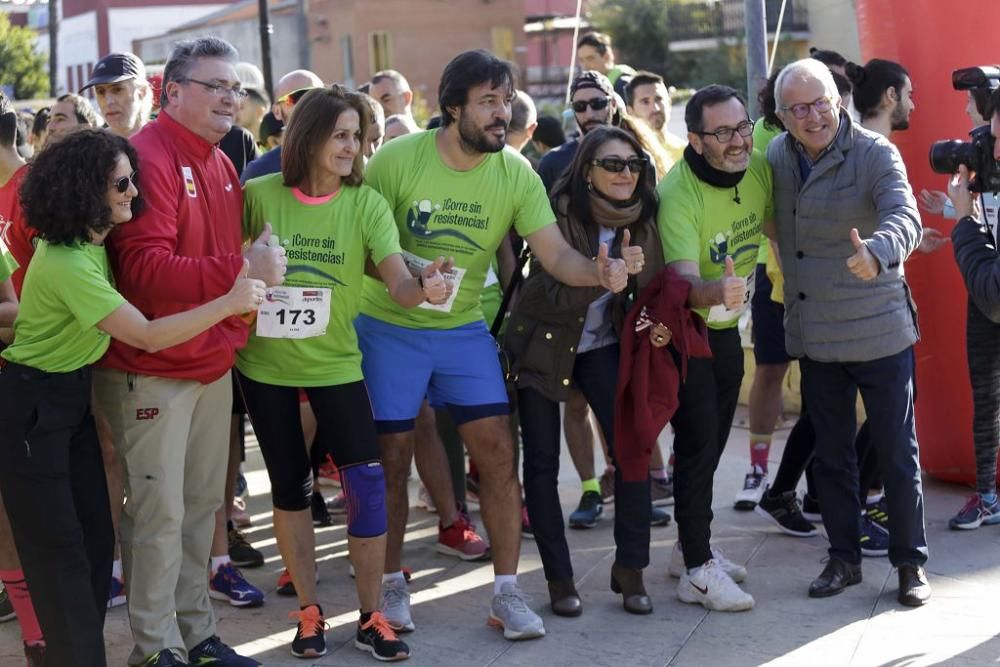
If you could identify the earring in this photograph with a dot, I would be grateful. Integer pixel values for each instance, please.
(590, 186)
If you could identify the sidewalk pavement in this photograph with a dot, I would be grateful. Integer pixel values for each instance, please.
(863, 626)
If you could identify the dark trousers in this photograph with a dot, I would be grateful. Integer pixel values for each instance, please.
(53, 485)
(982, 344)
(704, 416)
(886, 387)
(595, 373)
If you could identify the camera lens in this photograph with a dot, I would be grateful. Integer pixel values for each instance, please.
(946, 156)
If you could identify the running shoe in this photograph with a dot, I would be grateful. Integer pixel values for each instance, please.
(286, 587)
(712, 588)
(783, 510)
(662, 491)
(396, 606)
(975, 513)
(164, 658)
(510, 611)
(310, 635)
(338, 504)
(461, 540)
(424, 500)
(874, 538)
(238, 513)
(328, 473)
(240, 551)
(879, 512)
(753, 486)
(736, 572)
(378, 638)
(810, 509)
(320, 515)
(229, 585)
(7, 612)
(216, 654)
(116, 594)
(658, 517)
(588, 512)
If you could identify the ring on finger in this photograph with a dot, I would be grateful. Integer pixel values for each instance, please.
(659, 338)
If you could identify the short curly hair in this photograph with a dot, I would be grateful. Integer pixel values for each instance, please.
(65, 194)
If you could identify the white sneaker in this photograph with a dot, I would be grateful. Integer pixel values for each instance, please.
(677, 568)
(753, 488)
(712, 588)
(424, 500)
(396, 606)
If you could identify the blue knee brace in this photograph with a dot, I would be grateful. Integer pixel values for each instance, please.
(364, 491)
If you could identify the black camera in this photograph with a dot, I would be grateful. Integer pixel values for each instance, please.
(977, 154)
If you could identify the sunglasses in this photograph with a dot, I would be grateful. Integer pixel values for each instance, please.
(121, 185)
(616, 165)
(294, 96)
(596, 104)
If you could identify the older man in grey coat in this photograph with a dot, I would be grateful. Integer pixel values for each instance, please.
(845, 221)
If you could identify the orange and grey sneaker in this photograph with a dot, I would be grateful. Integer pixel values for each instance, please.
(375, 636)
(310, 640)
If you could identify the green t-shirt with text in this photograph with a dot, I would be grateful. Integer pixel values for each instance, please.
(702, 223)
(763, 134)
(327, 242)
(67, 290)
(460, 214)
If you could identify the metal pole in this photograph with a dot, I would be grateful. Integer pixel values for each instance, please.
(53, 48)
(756, 37)
(305, 46)
(265, 45)
(572, 58)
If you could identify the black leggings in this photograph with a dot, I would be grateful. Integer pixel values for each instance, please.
(346, 430)
(982, 344)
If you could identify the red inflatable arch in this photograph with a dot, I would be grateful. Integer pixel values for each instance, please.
(931, 38)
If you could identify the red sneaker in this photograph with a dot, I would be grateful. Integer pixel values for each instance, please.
(328, 473)
(461, 540)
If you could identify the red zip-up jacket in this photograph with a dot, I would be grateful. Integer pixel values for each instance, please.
(182, 250)
(17, 235)
(648, 379)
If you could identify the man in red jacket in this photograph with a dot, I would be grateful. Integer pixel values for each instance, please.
(169, 410)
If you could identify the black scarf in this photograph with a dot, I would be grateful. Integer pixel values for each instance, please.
(709, 174)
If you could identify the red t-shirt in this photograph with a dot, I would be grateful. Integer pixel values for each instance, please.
(17, 236)
(182, 250)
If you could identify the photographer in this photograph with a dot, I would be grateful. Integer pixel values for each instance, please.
(974, 240)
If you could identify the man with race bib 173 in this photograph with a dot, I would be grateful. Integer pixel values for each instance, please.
(456, 192)
(715, 202)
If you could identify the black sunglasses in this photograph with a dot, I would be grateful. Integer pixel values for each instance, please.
(596, 104)
(121, 185)
(616, 165)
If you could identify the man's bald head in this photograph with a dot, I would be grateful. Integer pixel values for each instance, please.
(295, 80)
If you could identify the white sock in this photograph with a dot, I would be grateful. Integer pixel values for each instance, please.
(501, 579)
(116, 569)
(219, 561)
(394, 576)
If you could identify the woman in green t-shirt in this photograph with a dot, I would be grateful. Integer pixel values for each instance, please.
(331, 226)
(51, 468)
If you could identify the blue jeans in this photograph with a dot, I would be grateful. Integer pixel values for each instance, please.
(886, 387)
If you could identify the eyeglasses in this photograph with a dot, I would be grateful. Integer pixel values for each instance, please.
(596, 104)
(616, 165)
(121, 185)
(800, 111)
(725, 135)
(293, 97)
(219, 90)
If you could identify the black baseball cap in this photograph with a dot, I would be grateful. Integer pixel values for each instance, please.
(116, 67)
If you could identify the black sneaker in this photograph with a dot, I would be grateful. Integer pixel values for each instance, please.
(589, 511)
(7, 612)
(164, 658)
(783, 510)
(378, 638)
(810, 509)
(310, 640)
(240, 551)
(216, 654)
(321, 515)
(35, 654)
(878, 512)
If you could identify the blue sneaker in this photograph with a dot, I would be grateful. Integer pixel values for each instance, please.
(976, 513)
(213, 652)
(229, 585)
(589, 511)
(164, 658)
(658, 517)
(874, 538)
(116, 594)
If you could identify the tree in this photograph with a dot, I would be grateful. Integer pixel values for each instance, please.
(20, 65)
(642, 31)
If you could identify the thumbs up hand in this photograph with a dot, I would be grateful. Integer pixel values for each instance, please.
(734, 288)
(267, 258)
(611, 273)
(862, 263)
(632, 254)
(433, 283)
